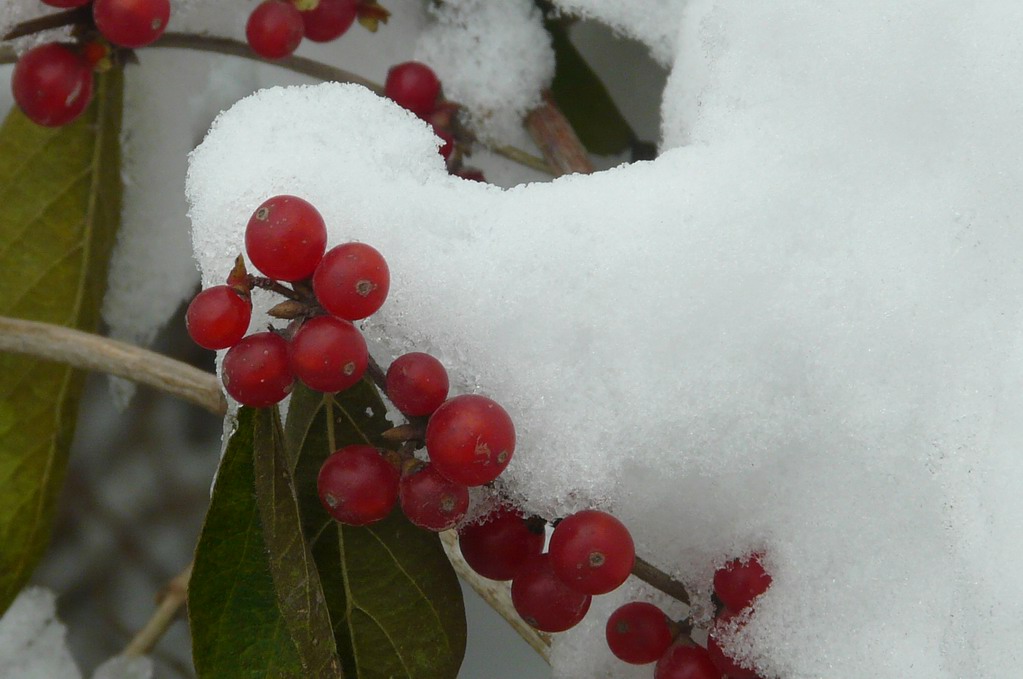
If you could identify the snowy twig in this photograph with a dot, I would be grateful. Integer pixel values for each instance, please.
(169, 602)
(93, 352)
(658, 579)
(46, 22)
(557, 140)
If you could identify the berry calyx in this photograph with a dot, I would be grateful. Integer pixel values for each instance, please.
(274, 29)
(413, 86)
(52, 85)
(430, 501)
(501, 545)
(470, 439)
(131, 23)
(285, 237)
(739, 582)
(592, 551)
(256, 372)
(357, 486)
(218, 317)
(328, 354)
(685, 661)
(722, 660)
(638, 633)
(329, 20)
(417, 384)
(352, 281)
(544, 601)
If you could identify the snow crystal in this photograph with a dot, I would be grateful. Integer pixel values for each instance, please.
(33, 642)
(122, 667)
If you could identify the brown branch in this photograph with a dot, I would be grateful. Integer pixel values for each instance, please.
(93, 352)
(658, 579)
(169, 603)
(71, 17)
(557, 140)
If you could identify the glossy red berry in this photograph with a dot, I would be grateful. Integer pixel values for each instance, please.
(592, 551)
(330, 19)
(470, 439)
(286, 237)
(638, 633)
(721, 660)
(682, 661)
(218, 317)
(328, 354)
(66, 4)
(256, 372)
(430, 501)
(274, 29)
(739, 582)
(413, 86)
(417, 384)
(52, 85)
(357, 485)
(545, 602)
(131, 23)
(499, 546)
(352, 281)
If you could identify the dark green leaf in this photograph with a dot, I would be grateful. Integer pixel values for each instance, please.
(237, 628)
(296, 581)
(394, 599)
(60, 205)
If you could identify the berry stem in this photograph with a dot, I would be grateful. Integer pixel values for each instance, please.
(169, 603)
(270, 284)
(658, 579)
(328, 404)
(71, 17)
(377, 374)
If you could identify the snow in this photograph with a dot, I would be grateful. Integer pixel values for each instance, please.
(796, 332)
(33, 642)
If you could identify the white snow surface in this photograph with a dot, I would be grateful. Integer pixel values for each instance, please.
(33, 643)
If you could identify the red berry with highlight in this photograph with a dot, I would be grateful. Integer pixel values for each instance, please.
(470, 439)
(330, 19)
(417, 384)
(638, 633)
(52, 85)
(545, 602)
(328, 354)
(683, 661)
(256, 372)
(500, 546)
(739, 582)
(413, 86)
(274, 29)
(592, 551)
(285, 238)
(357, 485)
(131, 23)
(218, 317)
(721, 660)
(352, 281)
(430, 501)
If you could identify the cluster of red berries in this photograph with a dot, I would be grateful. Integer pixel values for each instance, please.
(276, 27)
(53, 83)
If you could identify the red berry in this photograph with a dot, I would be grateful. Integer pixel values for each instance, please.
(274, 29)
(638, 633)
(592, 552)
(431, 501)
(131, 23)
(218, 317)
(286, 237)
(501, 545)
(721, 660)
(52, 85)
(66, 4)
(545, 602)
(255, 370)
(352, 281)
(738, 582)
(417, 384)
(413, 86)
(330, 19)
(448, 147)
(357, 485)
(328, 354)
(470, 439)
(683, 661)
(95, 52)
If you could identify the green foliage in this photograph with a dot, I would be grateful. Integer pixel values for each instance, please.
(60, 205)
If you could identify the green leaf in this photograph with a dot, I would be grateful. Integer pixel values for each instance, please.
(296, 581)
(394, 599)
(60, 205)
(585, 101)
(237, 628)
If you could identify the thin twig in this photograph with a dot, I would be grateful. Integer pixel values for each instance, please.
(557, 140)
(377, 375)
(80, 15)
(93, 352)
(658, 579)
(328, 404)
(170, 601)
